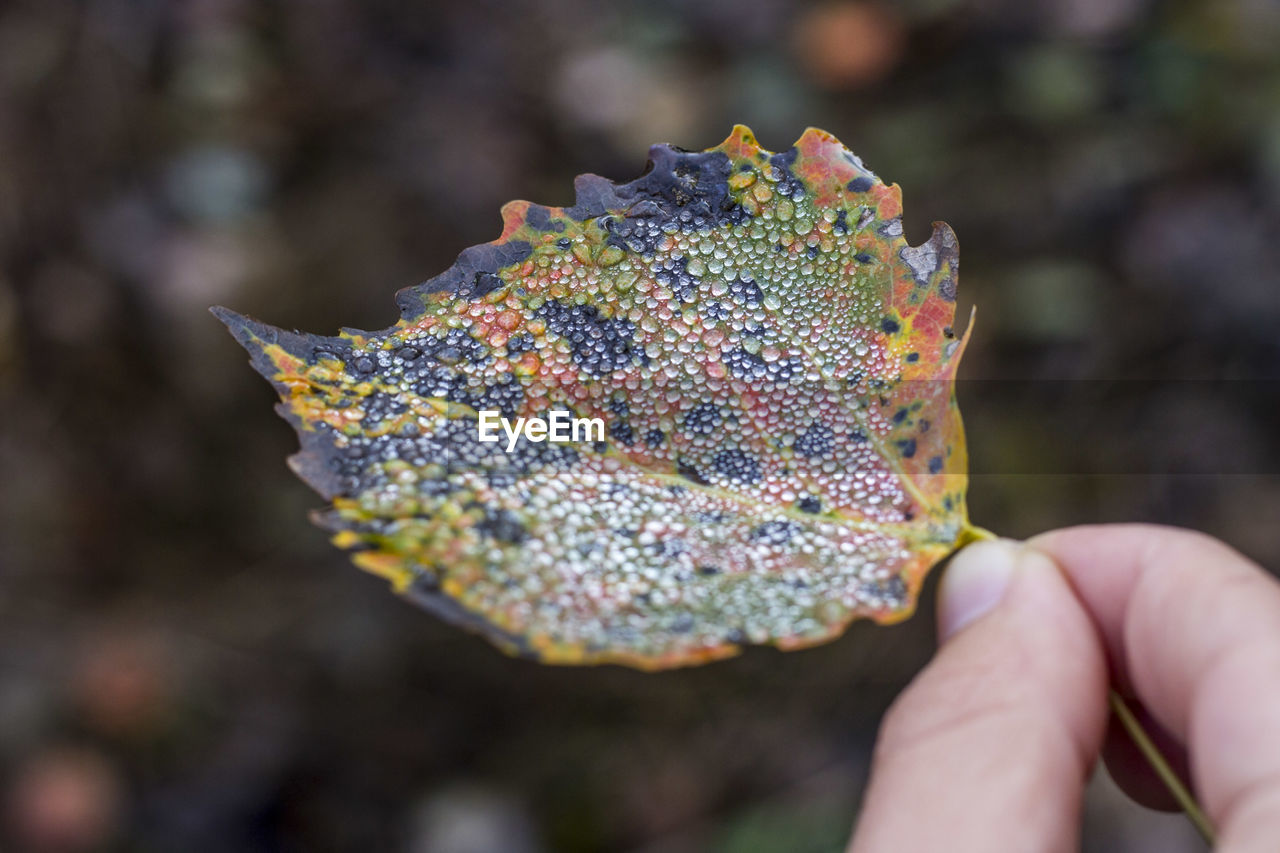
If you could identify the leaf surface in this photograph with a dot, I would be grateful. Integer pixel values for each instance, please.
(772, 362)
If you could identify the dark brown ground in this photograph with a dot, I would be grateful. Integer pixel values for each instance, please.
(186, 664)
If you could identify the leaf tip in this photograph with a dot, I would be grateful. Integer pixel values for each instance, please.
(251, 334)
(742, 135)
(229, 318)
(513, 216)
(816, 135)
(266, 344)
(944, 238)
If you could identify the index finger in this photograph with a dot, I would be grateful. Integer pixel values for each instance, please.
(1194, 628)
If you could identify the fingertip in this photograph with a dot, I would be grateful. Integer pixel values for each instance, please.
(974, 583)
(981, 575)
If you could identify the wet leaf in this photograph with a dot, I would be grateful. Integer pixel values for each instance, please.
(772, 365)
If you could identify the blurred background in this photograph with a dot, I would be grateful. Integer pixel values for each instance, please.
(186, 664)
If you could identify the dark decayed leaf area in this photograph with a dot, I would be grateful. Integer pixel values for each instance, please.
(773, 364)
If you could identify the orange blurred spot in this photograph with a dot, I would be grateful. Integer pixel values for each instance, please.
(848, 45)
(65, 800)
(122, 682)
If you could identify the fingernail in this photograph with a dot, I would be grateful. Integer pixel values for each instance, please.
(974, 583)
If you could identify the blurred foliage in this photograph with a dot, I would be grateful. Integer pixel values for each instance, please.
(184, 661)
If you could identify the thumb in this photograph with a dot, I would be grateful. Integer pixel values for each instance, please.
(977, 579)
(989, 747)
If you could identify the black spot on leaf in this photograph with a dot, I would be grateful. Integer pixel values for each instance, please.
(702, 419)
(775, 532)
(737, 465)
(538, 217)
(746, 291)
(520, 342)
(689, 472)
(817, 440)
(622, 432)
(502, 525)
(674, 274)
(599, 345)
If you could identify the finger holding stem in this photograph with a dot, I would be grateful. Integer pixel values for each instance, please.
(1009, 717)
(1192, 629)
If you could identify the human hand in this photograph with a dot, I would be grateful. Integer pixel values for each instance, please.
(990, 747)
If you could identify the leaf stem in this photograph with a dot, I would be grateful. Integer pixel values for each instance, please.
(972, 534)
(1158, 763)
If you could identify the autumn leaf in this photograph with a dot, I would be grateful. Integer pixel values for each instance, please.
(772, 364)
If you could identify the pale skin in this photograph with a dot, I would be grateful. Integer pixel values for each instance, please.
(990, 746)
